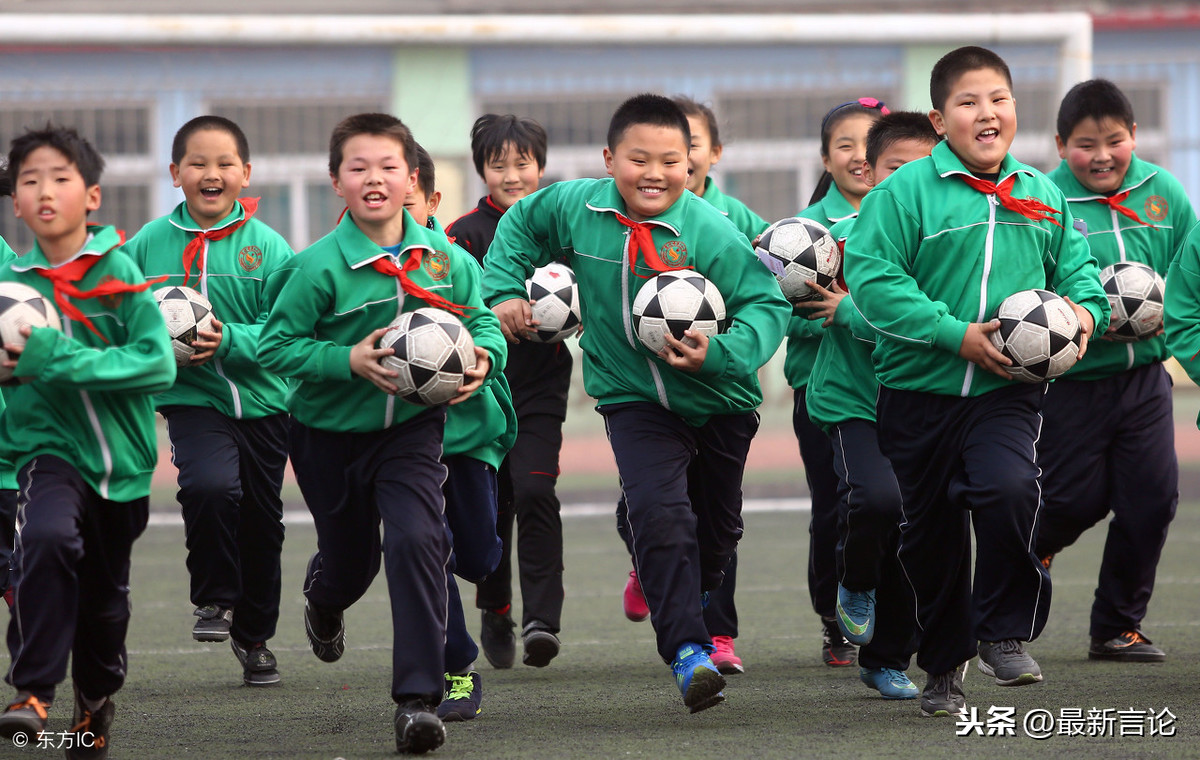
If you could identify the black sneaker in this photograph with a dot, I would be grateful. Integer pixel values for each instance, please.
(418, 730)
(943, 695)
(835, 650)
(1130, 646)
(213, 623)
(541, 646)
(326, 632)
(258, 663)
(90, 730)
(464, 695)
(497, 639)
(1008, 662)
(25, 715)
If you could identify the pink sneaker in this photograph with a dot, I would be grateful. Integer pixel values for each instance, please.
(724, 658)
(635, 601)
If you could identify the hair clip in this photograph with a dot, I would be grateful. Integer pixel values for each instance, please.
(864, 102)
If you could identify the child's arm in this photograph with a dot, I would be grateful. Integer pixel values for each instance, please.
(1074, 275)
(522, 244)
(1181, 313)
(491, 348)
(237, 342)
(144, 364)
(286, 345)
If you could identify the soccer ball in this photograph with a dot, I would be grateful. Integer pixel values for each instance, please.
(21, 305)
(797, 250)
(186, 312)
(1135, 292)
(557, 303)
(1040, 333)
(673, 302)
(433, 351)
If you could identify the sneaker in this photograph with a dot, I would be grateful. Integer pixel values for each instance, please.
(213, 623)
(326, 632)
(418, 729)
(835, 650)
(541, 646)
(943, 696)
(856, 615)
(258, 663)
(889, 682)
(698, 679)
(90, 729)
(1008, 662)
(25, 715)
(464, 693)
(497, 639)
(1130, 646)
(634, 600)
(727, 662)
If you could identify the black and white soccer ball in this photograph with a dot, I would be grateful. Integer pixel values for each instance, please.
(675, 301)
(433, 351)
(797, 250)
(186, 312)
(1135, 292)
(1040, 333)
(21, 306)
(556, 303)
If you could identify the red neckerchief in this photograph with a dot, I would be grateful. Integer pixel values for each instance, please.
(1030, 208)
(1114, 202)
(196, 246)
(64, 278)
(643, 242)
(413, 261)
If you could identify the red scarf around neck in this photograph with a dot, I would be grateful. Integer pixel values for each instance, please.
(195, 246)
(1030, 208)
(643, 242)
(413, 261)
(1114, 202)
(65, 278)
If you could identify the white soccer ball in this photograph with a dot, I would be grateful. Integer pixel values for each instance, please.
(556, 306)
(433, 352)
(676, 301)
(21, 306)
(186, 312)
(797, 250)
(1135, 292)
(1040, 333)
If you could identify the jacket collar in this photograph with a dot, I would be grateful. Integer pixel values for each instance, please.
(359, 250)
(947, 163)
(606, 199)
(100, 240)
(1138, 174)
(184, 221)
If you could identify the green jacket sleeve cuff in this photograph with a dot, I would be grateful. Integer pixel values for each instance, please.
(949, 334)
(716, 361)
(37, 352)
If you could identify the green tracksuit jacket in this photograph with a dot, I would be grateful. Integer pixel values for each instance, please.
(329, 298)
(233, 278)
(1181, 314)
(8, 474)
(804, 335)
(577, 220)
(931, 255)
(750, 223)
(1156, 197)
(842, 386)
(89, 401)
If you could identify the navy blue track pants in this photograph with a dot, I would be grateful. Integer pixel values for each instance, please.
(470, 491)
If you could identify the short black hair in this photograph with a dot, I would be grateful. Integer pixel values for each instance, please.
(652, 110)
(954, 64)
(209, 121)
(702, 111)
(491, 132)
(896, 126)
(426, 178)
(379, 124)
(66, 141)
(1097, 99)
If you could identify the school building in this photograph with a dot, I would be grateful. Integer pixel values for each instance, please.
(128, 77)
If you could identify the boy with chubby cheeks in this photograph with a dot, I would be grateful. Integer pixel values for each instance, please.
(680, 422)
(937, 247)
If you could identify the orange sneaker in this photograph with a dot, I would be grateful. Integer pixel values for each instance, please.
(1130, 646)
(25, 715)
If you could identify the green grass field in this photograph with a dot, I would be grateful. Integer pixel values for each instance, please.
(607, 695)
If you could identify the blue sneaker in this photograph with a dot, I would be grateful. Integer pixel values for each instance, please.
(856, 615)
(698, 679)
(889, 682)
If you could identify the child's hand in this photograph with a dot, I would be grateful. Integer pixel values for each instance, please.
(364, 361)
(682, 356)
(516, 319)
(825, 306)
(1086, 324)
(206, 343)
(474, 376)
(977, 347)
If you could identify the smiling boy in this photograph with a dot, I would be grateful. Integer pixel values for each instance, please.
(679, 422)
(938, 246)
